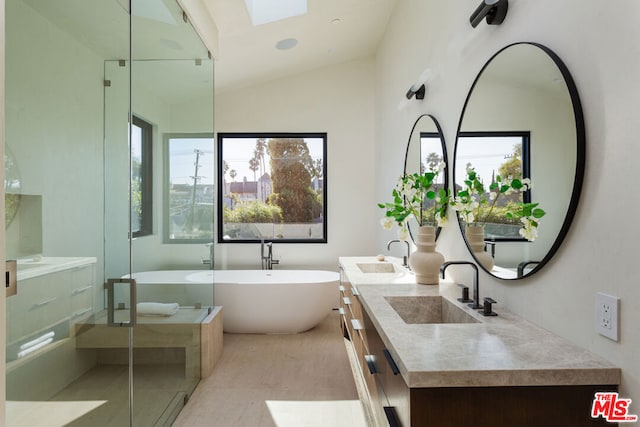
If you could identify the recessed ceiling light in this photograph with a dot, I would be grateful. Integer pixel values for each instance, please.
(286, 44)
(264, 11)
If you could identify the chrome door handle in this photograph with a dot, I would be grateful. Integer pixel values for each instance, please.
(109, 286)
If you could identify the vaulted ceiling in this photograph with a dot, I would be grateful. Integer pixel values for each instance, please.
(332, 31)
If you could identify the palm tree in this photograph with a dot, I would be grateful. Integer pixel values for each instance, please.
(225, 169)
(261, 146)
(254, 164)
(233, 174)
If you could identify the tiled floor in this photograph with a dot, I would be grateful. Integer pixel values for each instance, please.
(292, 380)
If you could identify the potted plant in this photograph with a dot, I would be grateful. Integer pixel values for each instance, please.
(411, 197)
(477, 206)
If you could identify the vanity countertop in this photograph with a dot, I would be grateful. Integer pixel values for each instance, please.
(505, 350)
(29, 268)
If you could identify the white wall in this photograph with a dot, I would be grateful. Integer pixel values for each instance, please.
(54, 111)
(338, 100)
(598, 43)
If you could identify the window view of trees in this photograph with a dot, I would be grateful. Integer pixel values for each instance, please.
(190, 188)
(273, 187)
(497, 154)
(431, 156)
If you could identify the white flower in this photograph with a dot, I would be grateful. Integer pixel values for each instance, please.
(441, 166)
(493, 195)
(441, 220)
(408, 191)
(403, 233)
(529, 229)
(387, 222)
(529, 233)
(469, 168)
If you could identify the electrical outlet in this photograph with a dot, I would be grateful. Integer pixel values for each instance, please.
(607, 315)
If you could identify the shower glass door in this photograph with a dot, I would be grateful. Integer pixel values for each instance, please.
(92, 91)
(56, 370)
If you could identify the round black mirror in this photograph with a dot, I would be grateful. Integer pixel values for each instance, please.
(520, 157)
(426, 149)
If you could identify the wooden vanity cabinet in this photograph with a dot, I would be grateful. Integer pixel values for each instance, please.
(352, 324)
(525, 406)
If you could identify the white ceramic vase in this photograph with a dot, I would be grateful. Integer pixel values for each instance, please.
(475, 238)
(425, 261)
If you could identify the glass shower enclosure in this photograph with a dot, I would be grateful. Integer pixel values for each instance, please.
(105, 329)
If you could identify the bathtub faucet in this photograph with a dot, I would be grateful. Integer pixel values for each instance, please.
(209, 261)
(267, 260)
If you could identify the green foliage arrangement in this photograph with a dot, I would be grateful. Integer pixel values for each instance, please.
(409, 198)
(476, 205)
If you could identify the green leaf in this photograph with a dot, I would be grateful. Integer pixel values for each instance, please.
(431, 194)
(517, 184)
(538, 213)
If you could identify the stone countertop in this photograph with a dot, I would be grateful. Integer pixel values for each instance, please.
(505, 350)
(29, 268)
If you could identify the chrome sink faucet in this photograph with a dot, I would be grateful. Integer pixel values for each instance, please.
(476, 291)
(267, 260)
(405, 259)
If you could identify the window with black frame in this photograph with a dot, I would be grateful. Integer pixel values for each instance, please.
(273, 187)
(496, 154)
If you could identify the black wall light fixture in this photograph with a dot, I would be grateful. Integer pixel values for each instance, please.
(418, 89)
(493, 10)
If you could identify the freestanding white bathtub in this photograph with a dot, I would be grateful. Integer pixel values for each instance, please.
(253, 301)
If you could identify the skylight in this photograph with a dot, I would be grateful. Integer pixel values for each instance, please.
(264, 11)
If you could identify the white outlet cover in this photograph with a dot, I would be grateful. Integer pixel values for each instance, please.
(607, 313)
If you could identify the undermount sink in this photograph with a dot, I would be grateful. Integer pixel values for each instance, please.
(376, 267)
(428, 309)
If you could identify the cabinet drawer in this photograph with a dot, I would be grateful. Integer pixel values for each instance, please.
(40, 302)
(82, 276)
(81, 293)
(81, 297)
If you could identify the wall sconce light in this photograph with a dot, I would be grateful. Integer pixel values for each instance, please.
(418, 89)
(418, 92)
(494, 10)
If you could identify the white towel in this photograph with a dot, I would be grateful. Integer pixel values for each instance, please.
(41, 338)
(157, 309)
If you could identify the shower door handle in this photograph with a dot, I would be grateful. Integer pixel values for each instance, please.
(111, 306)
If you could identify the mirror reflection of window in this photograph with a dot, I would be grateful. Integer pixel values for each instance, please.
(189, 188)
(430, 157)
(273, 187)
(493, 154)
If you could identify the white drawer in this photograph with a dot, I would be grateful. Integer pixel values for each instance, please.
(40, 302)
